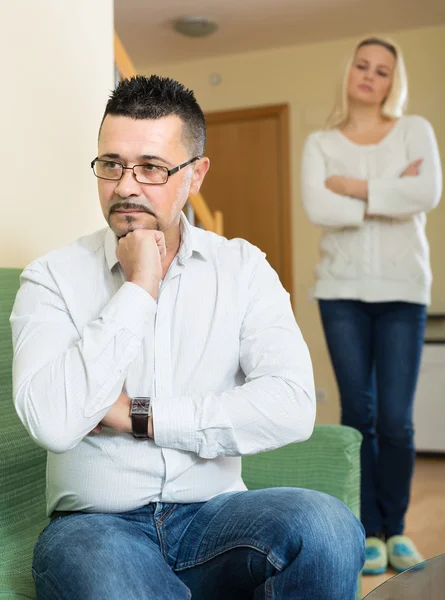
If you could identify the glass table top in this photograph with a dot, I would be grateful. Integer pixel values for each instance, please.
(423, 582)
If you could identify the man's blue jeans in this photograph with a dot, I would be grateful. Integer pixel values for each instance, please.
(277, 543)
(375, 349)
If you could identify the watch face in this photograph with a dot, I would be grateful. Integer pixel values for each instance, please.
(140, 406)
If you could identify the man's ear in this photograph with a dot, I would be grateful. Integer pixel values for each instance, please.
(199, 172)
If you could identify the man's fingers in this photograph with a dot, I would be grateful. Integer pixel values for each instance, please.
(160, 242)
(158, 237)
(161, 248)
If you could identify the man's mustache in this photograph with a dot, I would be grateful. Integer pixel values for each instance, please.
(130, 206)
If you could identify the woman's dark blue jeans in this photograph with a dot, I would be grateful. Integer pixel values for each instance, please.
(375, 349)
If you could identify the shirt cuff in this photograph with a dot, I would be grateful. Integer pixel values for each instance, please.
(173, 423)
(356, 212)
(132, 307)
(377, 200)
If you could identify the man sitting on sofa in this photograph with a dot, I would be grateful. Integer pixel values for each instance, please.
(148, 358)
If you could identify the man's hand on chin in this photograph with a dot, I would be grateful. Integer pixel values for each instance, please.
(140, 254)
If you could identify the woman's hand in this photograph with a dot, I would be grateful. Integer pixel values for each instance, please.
(337, 184)
(412, 170)
(346, 186)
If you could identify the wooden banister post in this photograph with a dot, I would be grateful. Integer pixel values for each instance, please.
(122, 60)
(202, 211)
(219, 222)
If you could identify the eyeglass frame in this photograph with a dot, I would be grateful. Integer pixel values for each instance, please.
(170, 172)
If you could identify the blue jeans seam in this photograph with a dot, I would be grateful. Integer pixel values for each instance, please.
(162, 541)
(274, 560)
(47, 581)
(45, 543)
(159, 525)
(268, 589)
(165, 515)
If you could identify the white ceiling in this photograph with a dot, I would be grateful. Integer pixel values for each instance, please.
(145, 26)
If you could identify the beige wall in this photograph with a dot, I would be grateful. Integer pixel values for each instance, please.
(305, 77)
(57, 70)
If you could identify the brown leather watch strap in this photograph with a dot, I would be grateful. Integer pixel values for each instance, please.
(139, 412)
(139, 424)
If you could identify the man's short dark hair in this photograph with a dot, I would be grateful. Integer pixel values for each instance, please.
(156, 97)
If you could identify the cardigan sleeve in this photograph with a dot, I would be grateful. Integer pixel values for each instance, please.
(324, 207)
(406, 196)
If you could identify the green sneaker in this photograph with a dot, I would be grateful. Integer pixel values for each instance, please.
(403, 554)
(376, 556)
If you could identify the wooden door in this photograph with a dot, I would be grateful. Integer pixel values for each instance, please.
(248, 180)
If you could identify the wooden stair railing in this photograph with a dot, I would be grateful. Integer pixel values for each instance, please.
(210, 221)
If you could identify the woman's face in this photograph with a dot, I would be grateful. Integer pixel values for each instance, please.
(371, 74)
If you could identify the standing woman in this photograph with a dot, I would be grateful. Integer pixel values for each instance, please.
(368, 180)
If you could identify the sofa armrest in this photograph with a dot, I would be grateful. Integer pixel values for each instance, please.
(328, 462)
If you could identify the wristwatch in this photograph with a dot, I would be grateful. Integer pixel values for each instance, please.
(140, 410)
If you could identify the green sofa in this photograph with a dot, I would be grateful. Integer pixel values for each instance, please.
(328, 462)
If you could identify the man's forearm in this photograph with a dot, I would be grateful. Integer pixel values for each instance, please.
(260, 415)
(63, 386)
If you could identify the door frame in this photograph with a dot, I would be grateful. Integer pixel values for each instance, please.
(281, 112)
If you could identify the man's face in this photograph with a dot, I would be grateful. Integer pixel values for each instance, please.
(128, 204)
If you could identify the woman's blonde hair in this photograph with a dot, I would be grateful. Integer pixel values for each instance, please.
(394, 104)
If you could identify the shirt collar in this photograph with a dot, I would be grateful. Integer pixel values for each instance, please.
(191, 242)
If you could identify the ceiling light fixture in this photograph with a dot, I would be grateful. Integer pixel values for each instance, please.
(195, 26)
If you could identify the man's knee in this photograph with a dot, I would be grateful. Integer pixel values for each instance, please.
(335, 533)
(318, 522)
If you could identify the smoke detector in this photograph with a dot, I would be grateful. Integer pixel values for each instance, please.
(195, 26)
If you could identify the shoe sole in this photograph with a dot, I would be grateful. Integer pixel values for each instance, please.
(374, 571)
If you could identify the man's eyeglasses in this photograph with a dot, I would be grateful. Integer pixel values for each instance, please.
(147, 173)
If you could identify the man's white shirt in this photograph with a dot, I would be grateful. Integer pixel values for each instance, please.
(219, 353)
